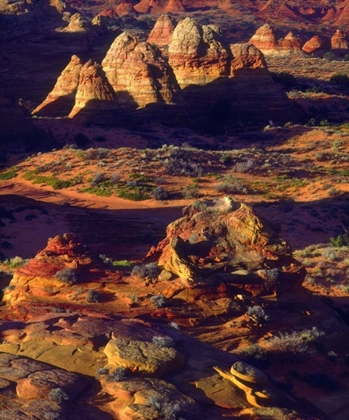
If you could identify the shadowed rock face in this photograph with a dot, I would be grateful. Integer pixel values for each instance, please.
(138, 73)
(162, 32)
(222, 239)
(265, 40)
(339, 41)
(61, 99)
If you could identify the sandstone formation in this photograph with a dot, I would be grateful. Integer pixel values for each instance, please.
(339, 41)
(247, 60)
(94, 92)
(61, 99)
(277, 9)
(265, 40)
(174, 6)
(138, 73)
(78, 23)
(343, 19)
(314, 44)
(197, 56)
(238, 247)
(149, 6)
(125, 8)
(162, 32)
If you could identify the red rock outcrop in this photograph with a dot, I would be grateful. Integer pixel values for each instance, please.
(149, 6)
(343, 19)
(174, 6)
(61, 99)
(196, 54)
(246, 57)
(314, 44)
(239, 248)
(265, 40)
(277, 9)
(138, 73)
(94, 92)
(125, 8)
(162, 32)
(339, 41)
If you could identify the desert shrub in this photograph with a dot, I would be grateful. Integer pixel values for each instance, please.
(118, 375)
(329, 254)
(253, 353)
(98, 153)
(162, 341)
(150, 270)
(174, 325)
(182, 167)
(67, 275)
(11, 173)
(158, 301)
(191, 191)
(97, 178)
(121, 263)
(340, 79)
(134, 192)
(330, 56)
(115, 178)
(243, 167)
(294, 343)
(226, 158)
(102, 371)
(93, 296)
(160, 193)
(321, 380)
(340, 241)
(15, 262)
(231, 185)
(58, 395)
(257, 314)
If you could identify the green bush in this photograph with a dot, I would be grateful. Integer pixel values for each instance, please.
(11, 173)
(340, 241)
(340, 79)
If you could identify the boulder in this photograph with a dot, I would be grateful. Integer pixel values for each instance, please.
(314, 44)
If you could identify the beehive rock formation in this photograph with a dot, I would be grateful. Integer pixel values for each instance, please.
(162, 32)
(174, 6)
(61, 99)
(94, 92)
(138, 73)
(78, 23)
(265, 40)
(339, 41)
(196, 54)
(125, 8)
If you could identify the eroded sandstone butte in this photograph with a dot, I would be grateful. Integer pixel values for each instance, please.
(314, 44)
(162, 32)
(339, 41)
(265, 40)
(225, 241)
(139, 74)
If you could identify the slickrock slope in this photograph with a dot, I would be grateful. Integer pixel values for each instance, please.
(238, 247)
(339, 41)
(61, 99)
(138, 73)
(265, 40)
(314, 44)
(162, 32)
(53, 337)
(196, 54)
(94, 92)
